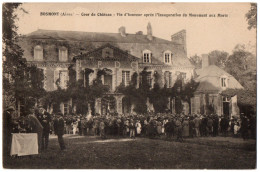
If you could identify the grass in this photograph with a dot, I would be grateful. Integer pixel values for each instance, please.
(141, 153)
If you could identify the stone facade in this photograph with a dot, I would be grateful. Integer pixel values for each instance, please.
(55, 51)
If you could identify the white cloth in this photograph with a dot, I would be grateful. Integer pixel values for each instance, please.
(24, 144)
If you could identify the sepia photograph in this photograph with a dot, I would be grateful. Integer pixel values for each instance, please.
(129, 85)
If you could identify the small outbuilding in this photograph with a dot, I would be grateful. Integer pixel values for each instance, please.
(207, 97)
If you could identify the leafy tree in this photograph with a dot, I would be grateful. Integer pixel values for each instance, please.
(196, 61)
(242, 65)
(159, 96)
(178, 105)
(21, 83)
(142, 93)
(251, 16)
(130, 92)
(78, 92)
(218, 58)
(137, 96)
(12, 53)
(81, 94)
(177, 94)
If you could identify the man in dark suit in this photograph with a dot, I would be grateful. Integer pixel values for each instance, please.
(169, 129)
(45, 121)
(59, 129)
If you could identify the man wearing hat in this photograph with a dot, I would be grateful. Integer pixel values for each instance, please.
(59, 129)
(45, 121)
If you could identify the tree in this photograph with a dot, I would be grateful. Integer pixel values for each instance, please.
(159, 97)
(81, 94)
(12, 53)
(137, 96)
(251, 16)
(21, 83)
(196, 61)
(218, 58)
(142, 93)
(242, 65)
(176, 94)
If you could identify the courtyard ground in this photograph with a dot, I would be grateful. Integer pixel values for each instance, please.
(89, 152)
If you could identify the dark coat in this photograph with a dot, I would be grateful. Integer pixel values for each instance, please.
(8, 123)
(169, 127)
(59, 126)
(45, 121)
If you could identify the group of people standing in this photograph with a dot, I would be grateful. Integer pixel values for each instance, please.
(37, 121)
(170, 125)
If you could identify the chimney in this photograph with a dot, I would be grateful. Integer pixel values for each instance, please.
(205, 60)
(149, 32)
(180, 38)
(121, 30)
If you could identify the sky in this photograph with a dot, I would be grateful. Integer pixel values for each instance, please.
(204, 34)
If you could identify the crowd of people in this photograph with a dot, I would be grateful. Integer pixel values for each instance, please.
(158, 125)
(168, 126)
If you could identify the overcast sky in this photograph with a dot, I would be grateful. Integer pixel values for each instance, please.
(203, 34)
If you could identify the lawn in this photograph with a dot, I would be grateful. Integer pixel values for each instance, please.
(142, 153)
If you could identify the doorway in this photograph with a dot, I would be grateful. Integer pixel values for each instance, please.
(226, 107)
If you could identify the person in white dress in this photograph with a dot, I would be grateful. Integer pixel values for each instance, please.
(74, 127)
(236, 128)
(138, 127)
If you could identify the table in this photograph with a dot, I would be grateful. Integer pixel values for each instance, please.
(24, 144)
